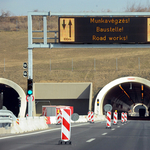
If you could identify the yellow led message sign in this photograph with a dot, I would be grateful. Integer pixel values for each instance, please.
(67, 30)
(148, 29)
(102, 30)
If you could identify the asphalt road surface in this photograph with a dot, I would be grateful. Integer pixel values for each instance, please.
(134, 135)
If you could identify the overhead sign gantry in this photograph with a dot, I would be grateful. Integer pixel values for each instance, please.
(104, 30)
(95, 30)
(90, 30)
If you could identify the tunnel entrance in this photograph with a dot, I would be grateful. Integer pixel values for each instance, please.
(123, 94)
(140, 110)
(9, 99)
(139, 107)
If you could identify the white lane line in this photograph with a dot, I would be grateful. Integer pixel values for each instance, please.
(27, 134)
(104, 133)
(113, 129)
(90, 140)
(37, 132)
(118, 126)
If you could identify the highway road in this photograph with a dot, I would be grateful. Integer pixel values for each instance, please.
(134, 135)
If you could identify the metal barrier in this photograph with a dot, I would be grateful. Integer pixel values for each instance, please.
(6, 117)
(5, 120)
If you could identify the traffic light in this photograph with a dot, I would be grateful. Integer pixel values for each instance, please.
(19, 102)
(97, 102)
(30, 87)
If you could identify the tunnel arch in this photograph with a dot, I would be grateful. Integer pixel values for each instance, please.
(140, 104)
(98, 109)
(20, 92)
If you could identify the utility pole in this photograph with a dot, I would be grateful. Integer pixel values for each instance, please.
(30, 65)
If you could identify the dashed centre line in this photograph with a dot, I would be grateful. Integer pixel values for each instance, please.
(90, 140)
(113, 129)
(104, 133)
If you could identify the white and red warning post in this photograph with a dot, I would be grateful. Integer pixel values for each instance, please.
(125, 117)
(59, 118)
(115, 119)
(66, 127)
(122, 117)
(91, 116)
(108, 122)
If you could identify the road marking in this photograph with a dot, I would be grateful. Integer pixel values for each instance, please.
(43, 131)
(118, 126)
(113, 129)
(38, 132)
(122, 124)
(104, 133)
(90, 140)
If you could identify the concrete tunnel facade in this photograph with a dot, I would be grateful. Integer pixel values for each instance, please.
(101, 96)
(20, 92)
(78, 95)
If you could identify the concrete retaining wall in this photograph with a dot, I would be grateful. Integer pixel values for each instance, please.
(29, 124)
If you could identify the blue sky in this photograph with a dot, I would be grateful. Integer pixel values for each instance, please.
(21, 7)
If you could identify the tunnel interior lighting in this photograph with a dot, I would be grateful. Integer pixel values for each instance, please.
(130, 86)
(142, 95)
(142, 92)
(125, 93)
(142, 87)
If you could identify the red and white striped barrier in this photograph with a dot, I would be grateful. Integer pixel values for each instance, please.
(115, 119)
(122, 117)
(66, 127)
(48, 121)
(125, 117)
(92, 117)
(59, 118)
(89, 116)
(108, 122)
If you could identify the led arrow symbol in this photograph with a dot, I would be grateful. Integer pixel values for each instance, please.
(64, 25)
(69, 28)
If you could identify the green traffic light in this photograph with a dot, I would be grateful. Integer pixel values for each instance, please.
(29, 92)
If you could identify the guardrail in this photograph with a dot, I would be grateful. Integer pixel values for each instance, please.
(6, 118)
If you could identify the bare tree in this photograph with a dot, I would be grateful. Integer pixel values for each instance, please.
(137, 8)
(5, 14)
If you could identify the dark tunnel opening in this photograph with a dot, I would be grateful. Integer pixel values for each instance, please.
(123, 97)
(9, 99)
